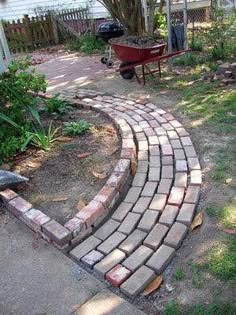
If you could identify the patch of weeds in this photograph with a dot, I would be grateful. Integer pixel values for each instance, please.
(56, 106)
(174, 308)
(221, 260)
(225, 163)
(226, 215)
(87, 44)
(189, 59)
(76, 128)
(197, 280)
(179, 274)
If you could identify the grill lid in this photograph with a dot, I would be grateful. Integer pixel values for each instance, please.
(110, 27)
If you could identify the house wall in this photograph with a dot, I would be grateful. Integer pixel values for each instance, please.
(15, 9)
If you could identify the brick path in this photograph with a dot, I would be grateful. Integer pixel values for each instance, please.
(141, 237)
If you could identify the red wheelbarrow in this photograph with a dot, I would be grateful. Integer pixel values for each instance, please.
(132, 57)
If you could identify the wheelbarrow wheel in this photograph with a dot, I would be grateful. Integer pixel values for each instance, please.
(109, 64)
(127, 74)
(104, 60)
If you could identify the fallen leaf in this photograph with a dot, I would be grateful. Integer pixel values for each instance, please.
(134, 166)
(100, 175)
(60, 198)
(154, 285)
(64, 139)
(84, 155)
(33, 164)
(80, 205)
(197, 221)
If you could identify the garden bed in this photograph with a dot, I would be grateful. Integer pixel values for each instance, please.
(74, 169)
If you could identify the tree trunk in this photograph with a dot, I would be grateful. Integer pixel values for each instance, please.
(129, 13)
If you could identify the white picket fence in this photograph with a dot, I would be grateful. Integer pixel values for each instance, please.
(5, 55)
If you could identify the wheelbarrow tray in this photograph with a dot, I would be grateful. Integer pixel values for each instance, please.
(131, 54)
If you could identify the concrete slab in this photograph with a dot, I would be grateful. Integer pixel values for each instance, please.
(36, 278)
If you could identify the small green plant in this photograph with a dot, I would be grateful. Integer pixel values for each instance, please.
(196, 45)
(179, 274)
(56, 106)
(76, 128)
(189, 59)
(197, 280)
(87, 44)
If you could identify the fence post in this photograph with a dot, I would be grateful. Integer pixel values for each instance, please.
(4, 49)
(185, 15)
(168, 14)
(54, 29)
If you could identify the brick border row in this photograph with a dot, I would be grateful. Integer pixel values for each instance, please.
(88, 218)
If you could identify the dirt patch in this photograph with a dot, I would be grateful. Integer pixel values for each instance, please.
(136, 41)
(71, 170)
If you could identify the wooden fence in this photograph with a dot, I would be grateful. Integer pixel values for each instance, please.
(31, 33)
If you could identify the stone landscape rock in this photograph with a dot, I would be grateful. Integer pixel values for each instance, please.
(10, 179)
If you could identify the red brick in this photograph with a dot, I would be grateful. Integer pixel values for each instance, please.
(161, 258)
(129, 223)
(111, 242)
(122, 166)
(138, 258)
(91, 212)
(167, 171)
(164, 186)
(176, 196)
(176, 235)
(158, 202)
(166, 149)
(18, 206)
(75, 225)
(148, 220)
(181, 180)
(192, 194)
(85, 247)
(186, 213)
(56, 232)
(117, 180)
(155, 237)
(186, 141)
(107, 196)
(168, 215)
(168, 116)
(35, 219)
(182, 132)
(167, 126)
(7, 195)
(196, 177)
(181, 166)
(118, 275)
(193, 164)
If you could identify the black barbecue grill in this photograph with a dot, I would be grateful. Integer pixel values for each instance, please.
(107, 31)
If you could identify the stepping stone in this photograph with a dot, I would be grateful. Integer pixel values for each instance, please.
(122, 211)
(129, 223)
(186, 213)
(148, 220)
(10, 179)
(118, 275)
(107, 229)
(176, 235)
(142, 204)
(168, 215)
(92, 258)
(155, 237)
(138, 281)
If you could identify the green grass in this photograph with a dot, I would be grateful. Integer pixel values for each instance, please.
(179, 274)
(226, 216)
(221, 260)
(197, 277)
(173, 308)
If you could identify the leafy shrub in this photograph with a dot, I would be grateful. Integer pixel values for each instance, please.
(189, 59)
(87, 44)
(196, 45)
(76, 128)
(56, 106)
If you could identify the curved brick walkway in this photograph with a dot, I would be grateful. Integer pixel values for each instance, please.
(142, 235)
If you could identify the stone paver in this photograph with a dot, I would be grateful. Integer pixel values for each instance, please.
(92, 258)
(138, 258)
(186, 213)
(164, 186)
(133, 194)
(138, 281)
(122, 211)
(149, 189)
(158, 202)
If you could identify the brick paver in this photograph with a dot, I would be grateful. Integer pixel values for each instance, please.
(157, 203)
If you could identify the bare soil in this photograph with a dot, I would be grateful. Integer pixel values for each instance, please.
(136, 41)
(62, 176)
